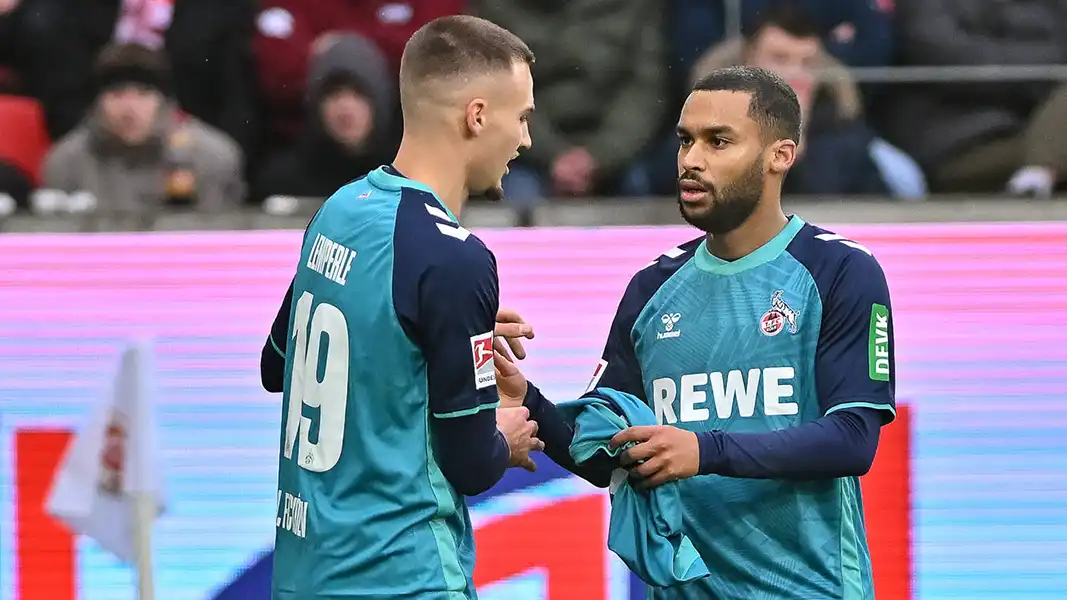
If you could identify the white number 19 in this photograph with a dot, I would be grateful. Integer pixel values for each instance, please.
(330, 395)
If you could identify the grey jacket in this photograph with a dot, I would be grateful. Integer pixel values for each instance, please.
(132, 182)
(599, 78)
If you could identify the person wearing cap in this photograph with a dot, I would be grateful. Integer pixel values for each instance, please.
(136, 151)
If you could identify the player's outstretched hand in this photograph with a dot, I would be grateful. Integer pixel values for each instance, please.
(520, 432)
(663, 453)
(510, 382)
(509, 331)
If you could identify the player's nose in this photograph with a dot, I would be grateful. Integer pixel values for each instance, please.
(690, 159)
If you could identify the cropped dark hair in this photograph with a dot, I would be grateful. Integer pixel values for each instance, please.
(772, 104)
(457, 46)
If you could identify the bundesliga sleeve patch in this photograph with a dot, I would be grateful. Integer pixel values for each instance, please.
(878, 343)
(597, 374)
(482, 353)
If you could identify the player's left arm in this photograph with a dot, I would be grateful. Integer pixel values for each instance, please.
(272, 357)
(854, 369)
(458, 299)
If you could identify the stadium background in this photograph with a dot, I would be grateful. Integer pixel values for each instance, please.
(966, 500)
(968, 496)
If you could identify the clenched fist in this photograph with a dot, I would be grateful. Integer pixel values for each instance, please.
(521, 434)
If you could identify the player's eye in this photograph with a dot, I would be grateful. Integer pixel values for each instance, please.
(685, 141)
(718, 142)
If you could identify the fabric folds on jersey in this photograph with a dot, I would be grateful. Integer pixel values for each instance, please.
(645, 528)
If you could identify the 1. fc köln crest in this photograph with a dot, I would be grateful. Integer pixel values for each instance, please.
(779, 317)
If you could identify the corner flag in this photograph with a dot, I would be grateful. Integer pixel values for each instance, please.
(109, 485)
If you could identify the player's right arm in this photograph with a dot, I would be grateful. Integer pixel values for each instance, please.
(272, 357)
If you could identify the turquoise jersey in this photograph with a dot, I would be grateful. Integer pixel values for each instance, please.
(792, 332)
(377, 346)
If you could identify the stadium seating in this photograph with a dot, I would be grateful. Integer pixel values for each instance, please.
(24, 141)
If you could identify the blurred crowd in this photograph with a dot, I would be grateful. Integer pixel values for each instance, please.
(131, 107)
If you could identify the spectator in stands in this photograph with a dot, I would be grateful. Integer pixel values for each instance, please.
(856, 33)
(600, 78)
(290, 32)
(136, 152)
(351, 105)
(838, 153)
(208, 43)
(859, 33)
(983, 137)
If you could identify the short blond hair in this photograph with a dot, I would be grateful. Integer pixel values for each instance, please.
(456, 47)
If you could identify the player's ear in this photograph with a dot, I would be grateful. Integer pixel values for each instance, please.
(783, 154)
(476, 116)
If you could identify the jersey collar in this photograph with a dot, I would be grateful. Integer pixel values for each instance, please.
(706, 261)
(386, 177)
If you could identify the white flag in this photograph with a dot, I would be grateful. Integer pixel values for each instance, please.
(113, 459)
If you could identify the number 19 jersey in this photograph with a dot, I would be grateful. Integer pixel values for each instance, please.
(393, 310)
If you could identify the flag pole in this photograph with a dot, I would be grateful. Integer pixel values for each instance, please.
(144, 515)
(145, 507)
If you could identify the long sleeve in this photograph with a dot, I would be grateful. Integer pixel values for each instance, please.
(854, 373)
(446, 295)
(272, 357)
(471, 452)
(458, 305)
(841, 444)
(557, 434)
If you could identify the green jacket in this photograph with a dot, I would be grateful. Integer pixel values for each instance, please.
(599, 78)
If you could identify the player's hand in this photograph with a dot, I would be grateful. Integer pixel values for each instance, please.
(511, 384)
(510, 329)
(663, 453)
(520, 432)
(508, 334)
